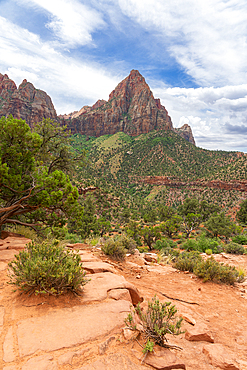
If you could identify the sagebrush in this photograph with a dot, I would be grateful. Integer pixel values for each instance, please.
(47, 268)
(156, 322)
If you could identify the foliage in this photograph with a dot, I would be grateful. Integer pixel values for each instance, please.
(118, 246)
(150, 235)
(172, 225)
(32, 191)
(215, 271)
(157, 321)
(27, 232)
(240, 239)
(47, 268)
(220, 224)
(235, 248)
(164, 243)
(187, 261)
(209, 269)
(190, 222)
(202, 244)
(242, 213)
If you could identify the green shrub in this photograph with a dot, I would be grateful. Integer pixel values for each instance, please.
(215, 271)
(208, 252)
(164, 243)
(157, 321)
(118, 246)
(143, 249)
(240, 239)
(190, 245)
(47, 268)
(235, 248)
(23, 230)
(186, 261)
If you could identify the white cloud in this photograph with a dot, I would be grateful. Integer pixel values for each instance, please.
(71, 21)
(25, 55)
(207, 38)
(208, 111)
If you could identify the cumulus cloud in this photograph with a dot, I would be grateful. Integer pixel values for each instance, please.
(208, 111)
(71, 21)
(207, 38)
(25, 55)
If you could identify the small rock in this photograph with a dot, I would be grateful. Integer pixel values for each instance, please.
(188, 318)
(66, 358)
(138, 276)
(120, 294)
(199, 332)
(151, 257)
(162, 359)
(105, 345)
(96, 267)
(219, 357)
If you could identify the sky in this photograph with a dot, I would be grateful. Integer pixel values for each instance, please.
(192, 53)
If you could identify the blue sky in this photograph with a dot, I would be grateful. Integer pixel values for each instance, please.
(192, 54)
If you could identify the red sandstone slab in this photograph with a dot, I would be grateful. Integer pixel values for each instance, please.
(70, 326)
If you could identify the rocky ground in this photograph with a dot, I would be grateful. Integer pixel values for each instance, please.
(87, 332)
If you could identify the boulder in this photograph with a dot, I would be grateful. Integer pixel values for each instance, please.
(95, 267)
(101, 283)
(220, 357)
(199, 332)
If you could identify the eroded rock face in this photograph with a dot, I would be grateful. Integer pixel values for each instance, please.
(131, 108)
(185, 132)
(24, 102)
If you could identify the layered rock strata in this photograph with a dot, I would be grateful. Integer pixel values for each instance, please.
(25, 102)
(131, 108)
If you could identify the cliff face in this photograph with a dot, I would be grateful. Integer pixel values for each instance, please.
(24, 102)
(131, 108)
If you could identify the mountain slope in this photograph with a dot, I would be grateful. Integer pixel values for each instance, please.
(131, 108)
(161, 165)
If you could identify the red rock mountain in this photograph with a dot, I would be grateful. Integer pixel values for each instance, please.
(131, 108)
(24, 102)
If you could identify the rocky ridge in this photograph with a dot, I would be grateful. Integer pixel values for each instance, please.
(25, 102)
(131, 108)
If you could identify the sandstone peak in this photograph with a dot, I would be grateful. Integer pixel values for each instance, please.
(25, 102)
(131, 108)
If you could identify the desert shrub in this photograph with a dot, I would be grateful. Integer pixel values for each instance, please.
(190, 245)
(186, 261)
(235, 248)
(23, 230)
(156, 322)
(143, 249)
(240, 239)
(118, 246)
(114, 249)
(215, 271)
(208, 252)
(47, 268)
(168, 251)
(62, 233)
(164, 243)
